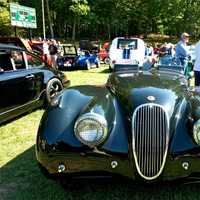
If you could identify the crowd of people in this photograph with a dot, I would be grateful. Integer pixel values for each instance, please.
(51, 49)
(180, 51)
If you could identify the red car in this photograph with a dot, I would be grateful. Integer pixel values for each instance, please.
(33, 46)
(104, 53)
(17, 41)
(37, 47)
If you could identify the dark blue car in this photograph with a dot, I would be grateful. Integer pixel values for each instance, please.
(72, 59)
(68, 56)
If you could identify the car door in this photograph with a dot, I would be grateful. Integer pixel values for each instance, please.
(92, 59)
(11, 83)
(34, 75)
(88, 57)
(21, 83)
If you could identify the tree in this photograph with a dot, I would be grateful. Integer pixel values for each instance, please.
(79, 8)
(110, 18)
(5, 27)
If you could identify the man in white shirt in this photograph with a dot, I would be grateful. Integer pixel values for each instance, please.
(197, 64)
(46, 50)
(182, 51)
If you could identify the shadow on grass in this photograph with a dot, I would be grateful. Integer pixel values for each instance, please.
(105, 71)
(21, 179)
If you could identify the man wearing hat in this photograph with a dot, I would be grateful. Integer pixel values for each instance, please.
(182, 51)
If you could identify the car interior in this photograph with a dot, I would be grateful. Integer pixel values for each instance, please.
(5, 62)
(11, 60)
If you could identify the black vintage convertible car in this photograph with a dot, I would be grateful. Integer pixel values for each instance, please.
(143, 125)
(25, 82)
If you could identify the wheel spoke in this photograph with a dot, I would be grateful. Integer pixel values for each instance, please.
(53, 89)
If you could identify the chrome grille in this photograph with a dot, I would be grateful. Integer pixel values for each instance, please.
(150, 129)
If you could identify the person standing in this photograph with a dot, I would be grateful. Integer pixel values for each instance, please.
(60, 48)
(197, 64)
(46, 51)
(53, 50)
(182, 51)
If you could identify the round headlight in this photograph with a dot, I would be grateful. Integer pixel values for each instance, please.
(196, 132)
(91, 129)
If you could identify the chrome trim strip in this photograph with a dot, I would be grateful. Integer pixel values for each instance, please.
(144, 162)
(26, 104)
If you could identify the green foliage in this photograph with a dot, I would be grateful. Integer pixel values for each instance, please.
(4, 19)
(79, 7)
(110, 18)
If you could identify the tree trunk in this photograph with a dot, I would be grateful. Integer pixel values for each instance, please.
(74, 29)
(109, 34)
(49, 18)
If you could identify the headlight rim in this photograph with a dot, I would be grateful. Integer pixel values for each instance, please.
(195, 137)
(98, 119)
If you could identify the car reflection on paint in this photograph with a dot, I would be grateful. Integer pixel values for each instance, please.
(142, 124)
(25, 82)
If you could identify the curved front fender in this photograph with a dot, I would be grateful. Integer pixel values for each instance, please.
(57, 124)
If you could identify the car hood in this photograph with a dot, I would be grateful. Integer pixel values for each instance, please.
(135, 89)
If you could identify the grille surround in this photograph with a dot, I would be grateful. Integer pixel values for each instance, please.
(156, 150)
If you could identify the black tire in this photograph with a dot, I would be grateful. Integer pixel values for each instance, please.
(54, 86)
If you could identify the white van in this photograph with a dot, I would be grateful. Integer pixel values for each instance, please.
(127, 51)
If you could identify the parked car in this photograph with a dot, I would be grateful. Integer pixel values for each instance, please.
(87, 60)
(38, 48)
(16, 41)
(33, 46)
(127, 51)
(104, 53)
(143, 125)
(25, 82)
(67, 60)
(89, 45)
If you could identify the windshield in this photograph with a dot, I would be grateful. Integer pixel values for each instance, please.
(127, 43)
(69, 50)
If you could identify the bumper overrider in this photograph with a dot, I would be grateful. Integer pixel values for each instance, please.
(147, 155)
(76, 161)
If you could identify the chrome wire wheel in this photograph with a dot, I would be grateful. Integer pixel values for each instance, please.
(54, 86)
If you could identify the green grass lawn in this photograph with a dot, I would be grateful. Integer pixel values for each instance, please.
(21, 179)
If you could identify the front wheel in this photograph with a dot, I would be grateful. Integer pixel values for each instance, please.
(107, 60)
(54, 86)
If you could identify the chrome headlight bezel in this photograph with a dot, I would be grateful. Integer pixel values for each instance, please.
(94, 119)
(196, 132)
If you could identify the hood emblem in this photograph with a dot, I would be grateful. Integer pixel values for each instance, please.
(151, 98)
